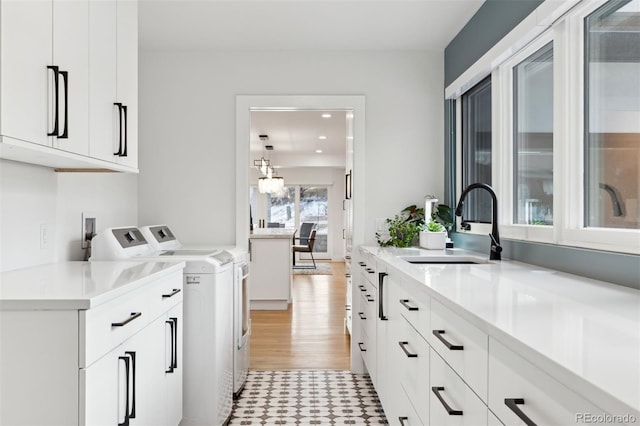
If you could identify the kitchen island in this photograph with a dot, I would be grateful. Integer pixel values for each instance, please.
(270, 279)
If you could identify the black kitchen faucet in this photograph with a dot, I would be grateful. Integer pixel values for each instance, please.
(496, 248)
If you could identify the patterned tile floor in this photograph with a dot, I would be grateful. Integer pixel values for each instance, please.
(307, 397)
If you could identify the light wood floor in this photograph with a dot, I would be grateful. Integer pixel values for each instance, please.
(308, 335)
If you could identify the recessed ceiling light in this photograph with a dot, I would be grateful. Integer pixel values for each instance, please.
(322, 137)
(326, 115)
(318, 151)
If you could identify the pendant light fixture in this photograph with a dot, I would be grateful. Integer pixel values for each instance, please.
(268, 183)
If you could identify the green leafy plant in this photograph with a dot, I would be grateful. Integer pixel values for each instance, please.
(433, 226)
(402, 232)
(443, 215)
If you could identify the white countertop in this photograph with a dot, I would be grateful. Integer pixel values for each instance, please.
(76, 285)
(272, 233)
(576, 329)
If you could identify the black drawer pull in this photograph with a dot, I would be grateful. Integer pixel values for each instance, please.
(402, 419)
(173, 293)
(513, 403)
(403, 345)
(439, 333)
(450, 411)
(133, 316)
(370, 299)
(371, 271)
(362, 287)
(361, 346)
(361, 315)
(405, 303)
(362, 264)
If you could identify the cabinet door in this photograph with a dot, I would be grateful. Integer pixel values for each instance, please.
(103, 113)
(103, 389)
(71, 54)
(127, 75)
(25, 30)
(174, 364)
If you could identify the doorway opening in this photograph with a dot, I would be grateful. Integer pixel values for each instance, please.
(311, 191)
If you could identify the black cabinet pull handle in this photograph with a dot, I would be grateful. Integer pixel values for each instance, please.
(370, 299)
(126, 123)
(65, 131)
(125, 422)
(450, 411)
(371, 271)
(347, 257)
(403, 345)
(362, 264)
(513, 403)
(56, 82)
(361, 346)
(170, 369)
(132, 354)
(405, 303)
(175, 342)
(362, 287)
(402, 419)
(119, 105)
(173, 293)
(439, 333)
(381, 315)
(361, 315)
(133, 316)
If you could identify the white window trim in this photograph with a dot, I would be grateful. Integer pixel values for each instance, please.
(504, 123)
(573, 231)
(567, 34)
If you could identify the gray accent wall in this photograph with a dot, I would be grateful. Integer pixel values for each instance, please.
(492, 21)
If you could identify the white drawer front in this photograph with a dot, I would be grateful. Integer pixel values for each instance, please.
(462, 345)
(106, 326)
(413, 361)
(543, 400)
(414, 307)
(452, 401)
(408, 415)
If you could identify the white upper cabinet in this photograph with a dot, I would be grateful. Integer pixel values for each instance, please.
(26, 29)
(113, 71)
(128, 78)
(69, 77)
(71, 55)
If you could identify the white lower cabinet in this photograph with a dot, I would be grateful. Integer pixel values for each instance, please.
(119, 363)
(452, 402)
(518, 390)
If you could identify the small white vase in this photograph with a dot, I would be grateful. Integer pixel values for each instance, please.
(433, 240)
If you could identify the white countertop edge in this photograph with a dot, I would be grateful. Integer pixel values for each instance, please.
(88, 303)
(589, 390)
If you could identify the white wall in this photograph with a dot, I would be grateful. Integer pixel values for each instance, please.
(187, 102)
(31, 196)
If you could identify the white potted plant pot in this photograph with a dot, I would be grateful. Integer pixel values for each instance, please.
(433, 240)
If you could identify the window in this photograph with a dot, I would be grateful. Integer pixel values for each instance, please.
(476, 150)
(612, 116)
(314, 208)
(533, 139)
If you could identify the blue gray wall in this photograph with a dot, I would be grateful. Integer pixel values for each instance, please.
(493, 21)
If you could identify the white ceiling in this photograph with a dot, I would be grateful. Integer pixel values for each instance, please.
(295, 136)
(302, 24)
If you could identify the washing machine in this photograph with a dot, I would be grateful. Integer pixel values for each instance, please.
(207, 319)
(162, 238)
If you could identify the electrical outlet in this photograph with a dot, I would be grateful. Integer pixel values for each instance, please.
(89, 228)
(44, 236)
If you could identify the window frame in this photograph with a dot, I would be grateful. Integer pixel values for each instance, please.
(567, 35)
